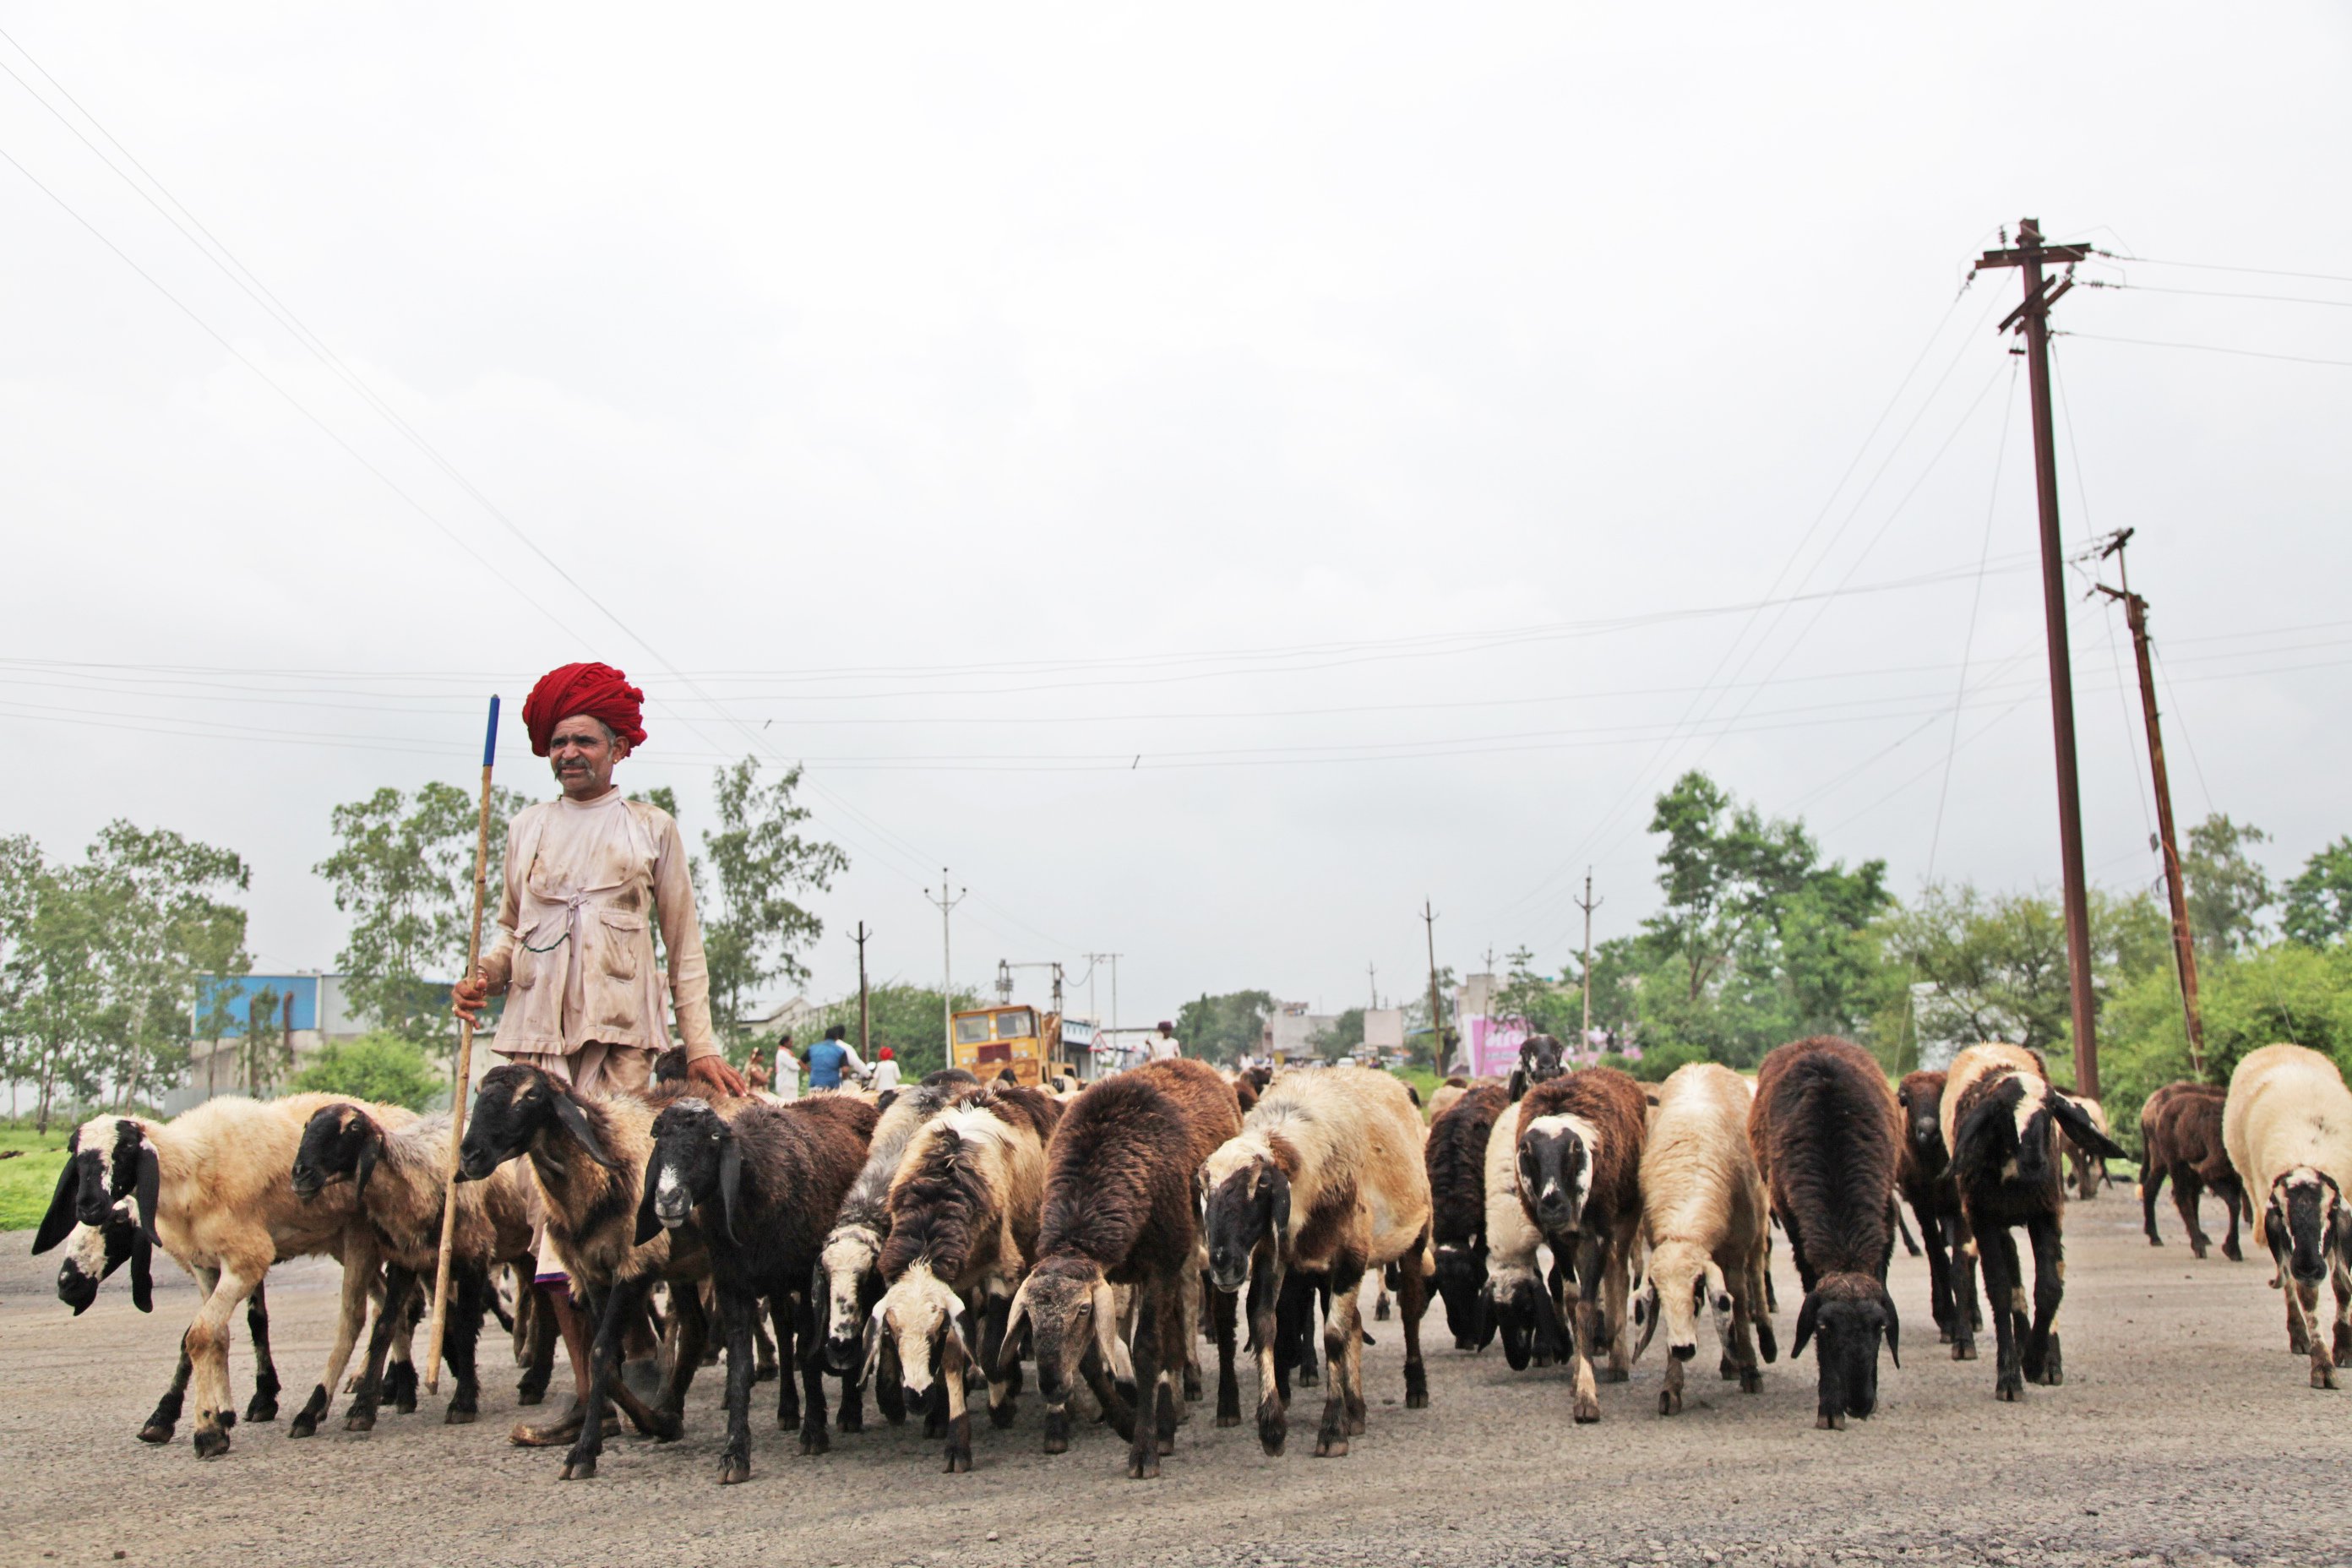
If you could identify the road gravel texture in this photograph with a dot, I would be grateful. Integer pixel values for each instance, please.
(2185, 1434)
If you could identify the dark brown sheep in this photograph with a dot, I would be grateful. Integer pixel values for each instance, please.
(762, 1190)
(1457, 1157)
(1119, 1209)
(1578, 1162)
(1825, 1128)
(1923, 1175)
(2180, 1137)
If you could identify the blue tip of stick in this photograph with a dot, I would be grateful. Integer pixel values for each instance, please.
(490, 740)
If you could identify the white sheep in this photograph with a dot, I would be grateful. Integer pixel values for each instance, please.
(2287, 1125)
(1705, 1213)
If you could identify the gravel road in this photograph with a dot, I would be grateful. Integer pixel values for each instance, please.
(2185, 1434)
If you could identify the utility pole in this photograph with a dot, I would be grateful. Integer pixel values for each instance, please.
(1436, 1015)
(947, 966)
(1588, 904)
(2028, 255)
(1372, 978)
(1093, 959)
(2184, 949)
(865, 1001)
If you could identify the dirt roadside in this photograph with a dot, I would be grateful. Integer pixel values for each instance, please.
(2185, 1434)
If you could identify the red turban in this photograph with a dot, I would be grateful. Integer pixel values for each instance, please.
(596, 690)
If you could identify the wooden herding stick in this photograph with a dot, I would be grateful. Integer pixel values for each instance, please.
(464, 1075)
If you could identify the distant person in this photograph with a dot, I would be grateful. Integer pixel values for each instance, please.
(755, 1071)
(830, 1057)
(1164, 1045)
(787, 1085)
(885, 1072)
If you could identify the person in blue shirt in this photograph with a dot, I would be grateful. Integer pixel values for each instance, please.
(830, 1057)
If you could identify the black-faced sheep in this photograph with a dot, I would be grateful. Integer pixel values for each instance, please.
(1517, 1301)
(1704, 1215)
(211, 1188)
(1456, 1160)
(763, 1190)
(2288, 1125)
(588, 1155)
(1119, 1211)
(2180, 1140)
(1541, 1060)
(964, 1210)
(1325, 1176)
(2086, 1168)
(2004, 1121)
(1577, 1143)
(398, 1180)
(1825, 1129)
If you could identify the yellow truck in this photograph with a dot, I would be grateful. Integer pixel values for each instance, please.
(987, 1040)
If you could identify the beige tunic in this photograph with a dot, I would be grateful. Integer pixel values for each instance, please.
(574, 952)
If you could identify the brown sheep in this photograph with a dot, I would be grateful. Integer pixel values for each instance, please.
(1825, 1129)
(1119, 1211)
(1325, 1177)
(1579, 1141)
(2180, 1138)
(964, 1210)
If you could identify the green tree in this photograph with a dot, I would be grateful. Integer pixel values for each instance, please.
(1544, 1005)
(755, 932)
(1342, 1035)
(907, 1019)
(2319, 899)
(382, 1067)
(2227, 890)
(263, 1056)
(402, 871)
(1224, 1028)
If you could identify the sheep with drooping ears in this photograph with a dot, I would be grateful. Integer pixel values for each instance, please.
(762, 1190)
(1825, 1129)
(211, 1189)
(399, 1178)
(1577, 1150)
(964, 1210)
(1516, 1300)
(2288, 1125)
(587, 1155)
(2181, 1138)
(1922, 1175)
(1326, 1176)
(1119, 1214)
(2086, 1168)
(2005, 1122)
(1704, 1216)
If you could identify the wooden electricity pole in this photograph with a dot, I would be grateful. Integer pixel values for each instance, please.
(865, 1001)
(2184, 947)
(1588, 904)
(947, 966)
(2028, 255)
(1436, 1016)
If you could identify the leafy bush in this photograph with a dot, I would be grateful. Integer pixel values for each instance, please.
(383, 1068)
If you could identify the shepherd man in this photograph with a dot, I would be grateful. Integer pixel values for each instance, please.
(588, 877)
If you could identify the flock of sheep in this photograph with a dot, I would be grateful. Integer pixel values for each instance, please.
(929, 1241)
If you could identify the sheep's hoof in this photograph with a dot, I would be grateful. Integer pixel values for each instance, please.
(157, 1431)
(580, 1470)
(665, 1427)
(2010, 1389)
(1146, 1468)
(212, 1442)
(2197, 1247)
(1272, 1431)
(360, 1421)
(400, 1388)
(2154, 1239)
(850, 1421)
(1229, 1418)
(813, 1443)
(1616, 1374)
(1381, 1311)
(765, 1374)
(1669, 1402)
(1726, 1369)
(1001, 1415)
(1829, 1423)
(1416, 1399)
(2053, 1370)
(2323, 1375)
(1331, 1448)
(262, 1407)
(459, 1416)
(2230, 1250)
(1355, 1424)
(1963, 1350)
(959, 1462)
(734, 1472)
(1942, 1336)
(1751, 1382)
(1588, 1410)
(1307, 1376)
(1192, 1384)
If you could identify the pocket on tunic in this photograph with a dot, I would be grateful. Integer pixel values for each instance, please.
(622, 934)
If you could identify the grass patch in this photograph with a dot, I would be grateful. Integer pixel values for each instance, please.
(30, 1175)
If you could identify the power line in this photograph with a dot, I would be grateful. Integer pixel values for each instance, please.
(2216, 267)
(2204, 348)
(2216, 294)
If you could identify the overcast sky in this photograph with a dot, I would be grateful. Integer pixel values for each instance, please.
(1211, 476)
